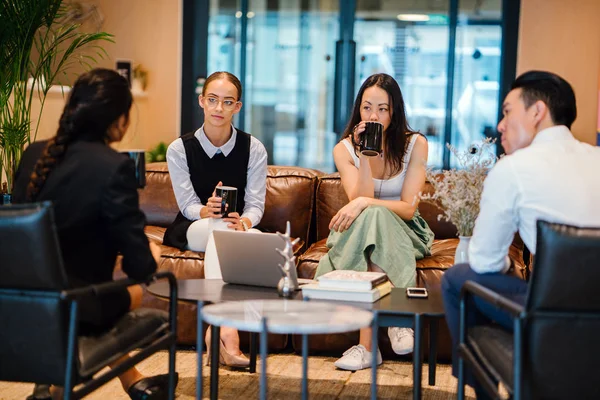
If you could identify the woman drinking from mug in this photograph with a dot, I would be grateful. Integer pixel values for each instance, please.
(380, 228)
(216, 154)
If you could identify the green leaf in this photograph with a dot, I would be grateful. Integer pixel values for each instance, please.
(41, 27)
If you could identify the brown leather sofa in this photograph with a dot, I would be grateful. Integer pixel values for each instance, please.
(308, 199)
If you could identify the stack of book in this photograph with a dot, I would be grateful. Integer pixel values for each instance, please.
(344, 285)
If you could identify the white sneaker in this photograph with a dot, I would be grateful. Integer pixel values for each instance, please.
(402, 339)
(357, 357)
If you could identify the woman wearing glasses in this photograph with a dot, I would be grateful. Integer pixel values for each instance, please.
(216, 154)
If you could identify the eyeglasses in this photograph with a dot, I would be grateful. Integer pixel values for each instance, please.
(213, 102)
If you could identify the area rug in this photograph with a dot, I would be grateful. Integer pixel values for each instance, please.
(284, 372)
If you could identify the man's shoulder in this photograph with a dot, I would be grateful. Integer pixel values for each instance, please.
(521, 158)
(531, 156)
(504, 165)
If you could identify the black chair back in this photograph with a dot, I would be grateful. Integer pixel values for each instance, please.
(34, 319)
(563, 314)
(566, 269)
(29, 251)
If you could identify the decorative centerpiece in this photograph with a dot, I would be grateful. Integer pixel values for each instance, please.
(458, 190)
(287, 285)
(140, 78)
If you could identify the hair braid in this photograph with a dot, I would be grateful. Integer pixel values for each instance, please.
(51, 156)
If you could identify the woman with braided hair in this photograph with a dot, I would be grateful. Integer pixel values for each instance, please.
(94, 194)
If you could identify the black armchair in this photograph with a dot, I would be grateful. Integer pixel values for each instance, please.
(38, 338)
(553, 351)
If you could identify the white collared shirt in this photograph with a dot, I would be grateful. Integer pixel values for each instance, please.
(555, 179)
(188, 201)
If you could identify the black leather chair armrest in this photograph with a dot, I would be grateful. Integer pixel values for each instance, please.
(492, 297)
(107, 287)
(73, 294)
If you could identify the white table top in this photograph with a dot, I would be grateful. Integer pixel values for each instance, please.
(287, 316)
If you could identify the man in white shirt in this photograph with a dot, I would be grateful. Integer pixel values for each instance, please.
(547, 174)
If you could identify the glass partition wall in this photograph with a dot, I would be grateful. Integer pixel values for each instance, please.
(301, 63)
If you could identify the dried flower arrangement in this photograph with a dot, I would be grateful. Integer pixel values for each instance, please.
(139, 72)
(458, 191)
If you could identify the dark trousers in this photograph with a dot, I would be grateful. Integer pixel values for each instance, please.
(478, 311)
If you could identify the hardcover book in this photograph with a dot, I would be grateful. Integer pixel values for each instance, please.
(354, 280)
(365, 296)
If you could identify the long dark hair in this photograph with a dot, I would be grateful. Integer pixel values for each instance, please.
(98, 98)
(397, 132)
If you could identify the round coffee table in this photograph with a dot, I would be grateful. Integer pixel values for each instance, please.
(284, 317)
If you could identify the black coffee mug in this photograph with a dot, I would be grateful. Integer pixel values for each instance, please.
(228, 195)
(370, 139)
(139, 159)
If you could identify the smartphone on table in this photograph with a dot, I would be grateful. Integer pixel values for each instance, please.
(416, 292)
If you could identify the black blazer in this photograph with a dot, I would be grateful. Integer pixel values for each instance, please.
(96, 209)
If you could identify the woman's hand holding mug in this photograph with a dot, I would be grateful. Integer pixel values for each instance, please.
(235, 221)
(368, 137)
(212, 209)
(357, 133)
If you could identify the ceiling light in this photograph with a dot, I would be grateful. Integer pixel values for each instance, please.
(250, 14)
(238, 14)
(413, 17)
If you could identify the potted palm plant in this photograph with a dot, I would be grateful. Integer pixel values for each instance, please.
(39, 42)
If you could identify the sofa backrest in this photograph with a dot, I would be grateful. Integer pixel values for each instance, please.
(331, 197)
(290, 196)
(157, 199)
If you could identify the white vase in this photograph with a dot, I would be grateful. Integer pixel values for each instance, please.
(462, 250)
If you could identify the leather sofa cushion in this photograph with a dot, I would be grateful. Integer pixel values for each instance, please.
(157, 199)
(155, 233)
(331, 197)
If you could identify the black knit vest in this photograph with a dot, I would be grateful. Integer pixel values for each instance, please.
(205, 174)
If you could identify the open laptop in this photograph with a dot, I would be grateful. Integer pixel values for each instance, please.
(249, 258)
